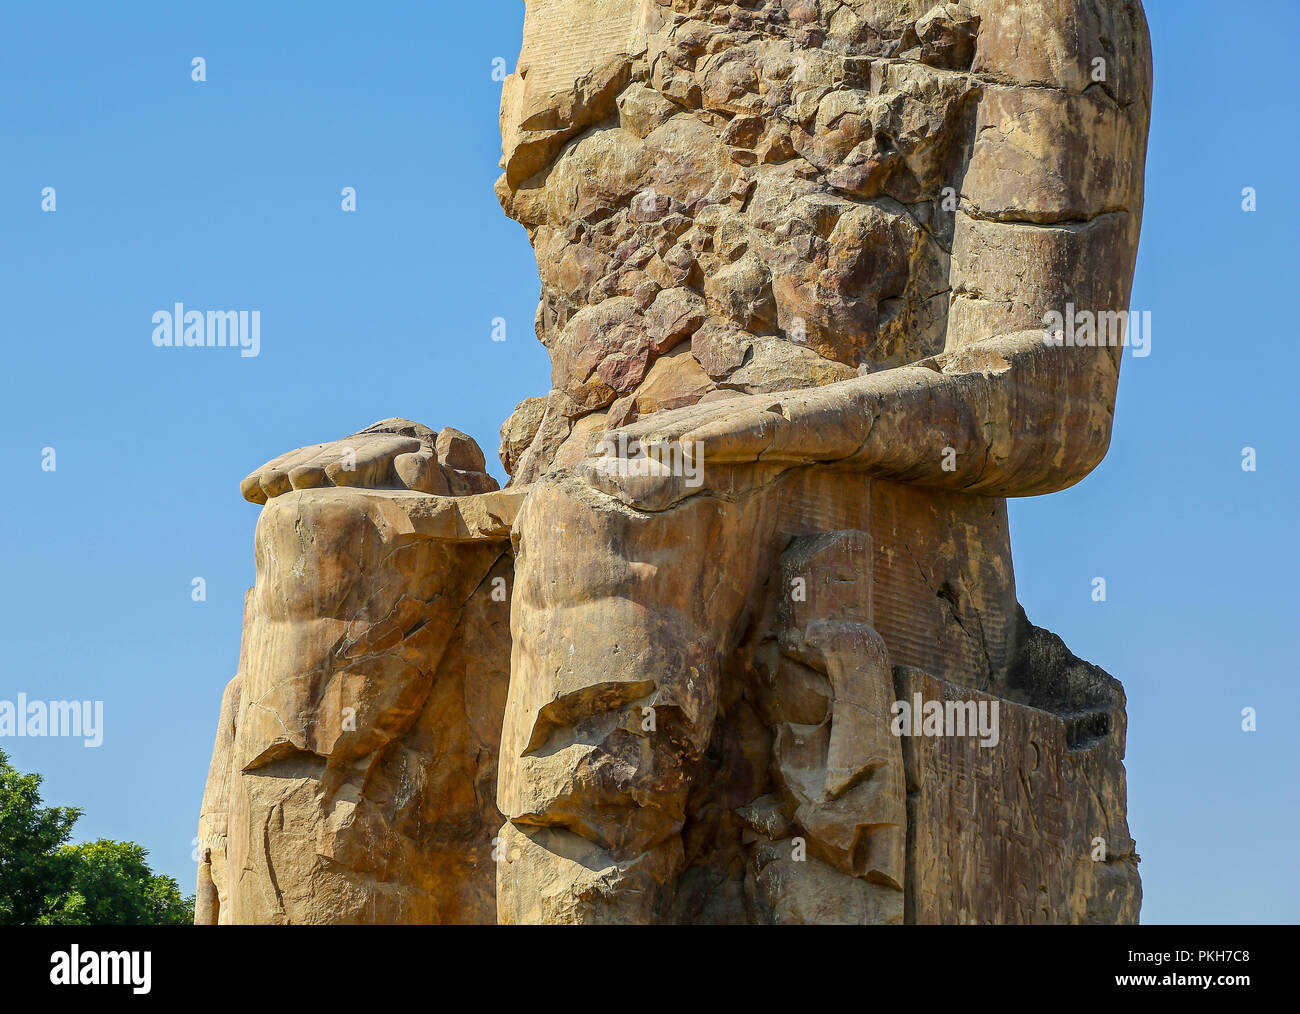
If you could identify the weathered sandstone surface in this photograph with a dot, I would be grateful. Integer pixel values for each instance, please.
(807, 247)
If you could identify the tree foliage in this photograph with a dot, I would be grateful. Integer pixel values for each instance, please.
(46, 880)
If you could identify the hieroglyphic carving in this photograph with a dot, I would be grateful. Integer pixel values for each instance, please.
(1028, 830)
(565, 39)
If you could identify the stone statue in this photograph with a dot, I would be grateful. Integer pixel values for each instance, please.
(764, 660)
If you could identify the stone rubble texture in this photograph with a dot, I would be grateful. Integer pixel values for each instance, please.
(816, 240)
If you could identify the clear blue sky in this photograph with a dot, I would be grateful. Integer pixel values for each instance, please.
(225, 194)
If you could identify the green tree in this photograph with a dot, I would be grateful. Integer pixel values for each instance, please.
(33, 869)
(45, 880)
(112, 884)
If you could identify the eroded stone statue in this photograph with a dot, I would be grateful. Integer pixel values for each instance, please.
(807, 247)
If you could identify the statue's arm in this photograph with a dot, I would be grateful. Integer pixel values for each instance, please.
(1047, 223)
(1005, 416)
(1048, 220)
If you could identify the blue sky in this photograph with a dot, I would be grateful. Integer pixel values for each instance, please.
(226, 193)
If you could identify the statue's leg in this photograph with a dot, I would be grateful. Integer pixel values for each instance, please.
(361, 753)
(698, 720)
(621, 621)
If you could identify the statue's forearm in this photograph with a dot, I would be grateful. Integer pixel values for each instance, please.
(1007, 416)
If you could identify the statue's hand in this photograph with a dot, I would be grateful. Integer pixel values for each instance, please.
(392, 454)
(807, 425)
(896, 422)
(666, 457)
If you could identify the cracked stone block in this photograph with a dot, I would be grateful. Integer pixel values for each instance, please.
(1030, 829)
